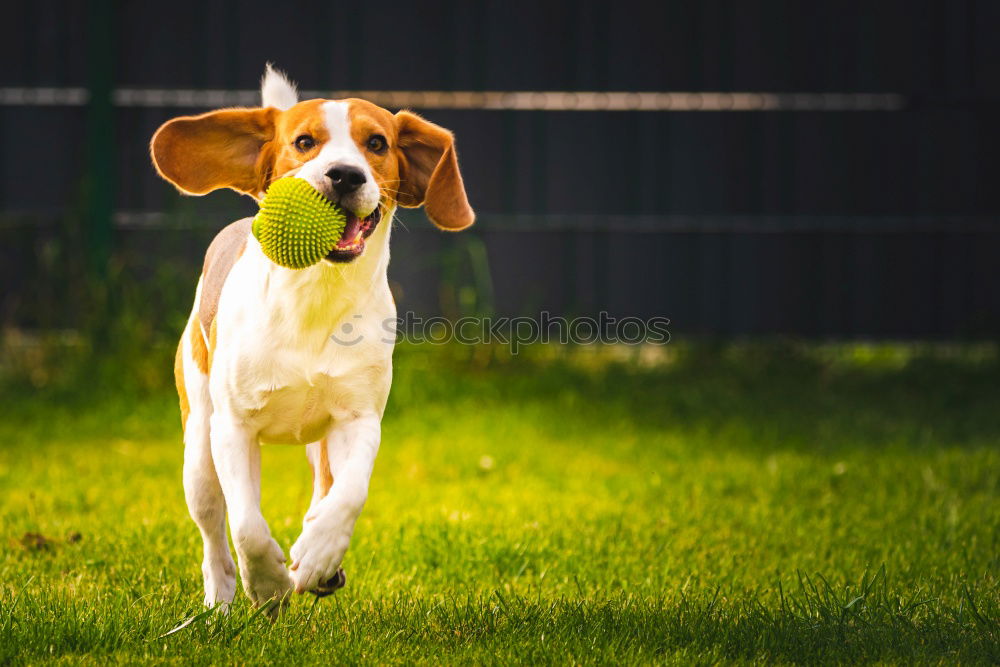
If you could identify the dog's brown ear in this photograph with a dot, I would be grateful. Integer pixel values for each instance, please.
(428, 173)
(220, 149)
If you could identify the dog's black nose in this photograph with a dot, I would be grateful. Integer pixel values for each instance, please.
(345, 178)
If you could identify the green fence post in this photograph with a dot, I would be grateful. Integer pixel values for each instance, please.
(99, 176)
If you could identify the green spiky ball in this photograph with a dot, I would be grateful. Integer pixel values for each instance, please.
(296, 225)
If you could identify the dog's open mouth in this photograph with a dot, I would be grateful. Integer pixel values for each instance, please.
(352, 243)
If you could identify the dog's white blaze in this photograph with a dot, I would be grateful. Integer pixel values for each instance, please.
(340, 149)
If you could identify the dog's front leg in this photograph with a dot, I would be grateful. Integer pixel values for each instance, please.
(317, 554)
(236, 452)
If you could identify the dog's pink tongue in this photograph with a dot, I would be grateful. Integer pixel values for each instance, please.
(351, 230)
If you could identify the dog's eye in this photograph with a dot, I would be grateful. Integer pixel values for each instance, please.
(305, 143)
(377, 143)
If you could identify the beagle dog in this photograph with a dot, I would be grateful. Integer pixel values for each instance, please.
(261, 358)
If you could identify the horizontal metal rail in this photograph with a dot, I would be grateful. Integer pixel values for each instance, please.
(626, 224)
(487, 100)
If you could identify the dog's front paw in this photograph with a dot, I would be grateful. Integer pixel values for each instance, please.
(316, 562)
(331, 585)
(265, 578)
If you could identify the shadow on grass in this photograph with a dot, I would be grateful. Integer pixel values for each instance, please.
(798, 396)
(753, 396)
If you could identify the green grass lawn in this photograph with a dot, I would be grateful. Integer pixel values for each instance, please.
(738, 504)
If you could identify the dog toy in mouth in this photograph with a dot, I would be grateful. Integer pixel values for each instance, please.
(296, 225)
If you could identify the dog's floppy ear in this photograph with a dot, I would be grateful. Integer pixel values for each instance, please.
(428, 173)
(220, 149)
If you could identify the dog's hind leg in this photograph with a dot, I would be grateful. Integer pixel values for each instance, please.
(319, 461)
(201, 483)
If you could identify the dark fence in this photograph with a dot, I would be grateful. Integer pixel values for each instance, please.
(848, 189)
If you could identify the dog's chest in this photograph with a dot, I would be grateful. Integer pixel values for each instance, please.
(297, 413)
(298, 351)
(294, 396)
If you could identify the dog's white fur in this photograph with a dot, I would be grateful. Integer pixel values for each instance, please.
(278, 376)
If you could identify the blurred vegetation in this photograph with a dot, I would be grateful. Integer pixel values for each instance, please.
(118, 330)
(65, 325)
